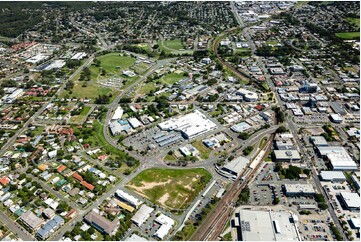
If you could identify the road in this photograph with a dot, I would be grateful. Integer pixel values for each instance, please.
(15, 228)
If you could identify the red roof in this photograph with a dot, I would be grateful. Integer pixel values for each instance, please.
(77, 176)
(87, 185)
(4, 180)
(61, 168)
(70, 213)
(259, 107)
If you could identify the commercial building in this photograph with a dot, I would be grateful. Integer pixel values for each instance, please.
(135, 237)
(79, 56)
(287, 155)
(190, 125)
(318, 141)
(101, 223)
(166, 225)
(118, 113)
(234, 168)
(338, 157)
(336, 118)
(332, 176)
(142, 215)
(296, 190)
(14, 95)
(31, 220)
(134, 122)
(247, 95)
(256, 225)
(351, 200)
(241, 127)
(129, 199)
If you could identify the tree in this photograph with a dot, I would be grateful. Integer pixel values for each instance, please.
(275, 201)
(281, 129)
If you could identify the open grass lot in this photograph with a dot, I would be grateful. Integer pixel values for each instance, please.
(354, 20)
(80, 118)
(174, 44)
(143, 46)
(203, 150)
(349, 35)
(171, 78)
(171, 188)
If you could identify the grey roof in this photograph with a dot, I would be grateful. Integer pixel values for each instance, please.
(237, 165)
(50, 227)
(332, 175)
(102, 222)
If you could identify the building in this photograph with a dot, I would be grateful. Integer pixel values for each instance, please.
(31, 220)
(118, 113)
(234, 168)
(355, 222)
(298, 190)
(241, 127)
(336, 118)
(247, 95)
(50, 227)
(101, 223)
(309, 87)
(351, 200)
(334, 176)
(129, 199)
(190, 125)
(135, 237)
(287, 156)
(259, 225)
(318, 141)
(142, 215)
(134, 122)
(166, 225)
(338, 157)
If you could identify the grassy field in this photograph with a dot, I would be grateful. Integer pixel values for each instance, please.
(203, 150)
(171, 188)
(170, 78)
(349, 35)
(80, 118)
(173, 46)
(354, 20)
(112, 63)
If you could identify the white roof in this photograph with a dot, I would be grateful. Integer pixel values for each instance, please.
(355, 222)
(166, 225)
(135, 237)
(134, 122)
(237, 165)
(351, 199)
(332, 175)
(128, 198)
(142, 214)
(191, 124)
(118, 113)
(299, 188)
(339, 157)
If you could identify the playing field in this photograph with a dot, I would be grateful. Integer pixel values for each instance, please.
(170, 188)
(349, 35)
(114, 62)
(354, 20)
(173, 46)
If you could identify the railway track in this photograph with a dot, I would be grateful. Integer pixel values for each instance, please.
(214, 224)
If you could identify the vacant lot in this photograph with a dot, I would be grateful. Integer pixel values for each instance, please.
(173, 46)
(349, 35)
(170, 188)
(203, 150)
(171, 78)
(354, 20)
(81, 117)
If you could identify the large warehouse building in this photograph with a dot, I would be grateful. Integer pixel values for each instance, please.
(338, 157)
(252, 225)
(190, 125)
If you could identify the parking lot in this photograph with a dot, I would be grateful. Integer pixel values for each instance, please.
(142, 140)
(314, 229)
(312, 119)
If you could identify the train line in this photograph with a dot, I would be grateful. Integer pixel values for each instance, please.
(213, 225)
